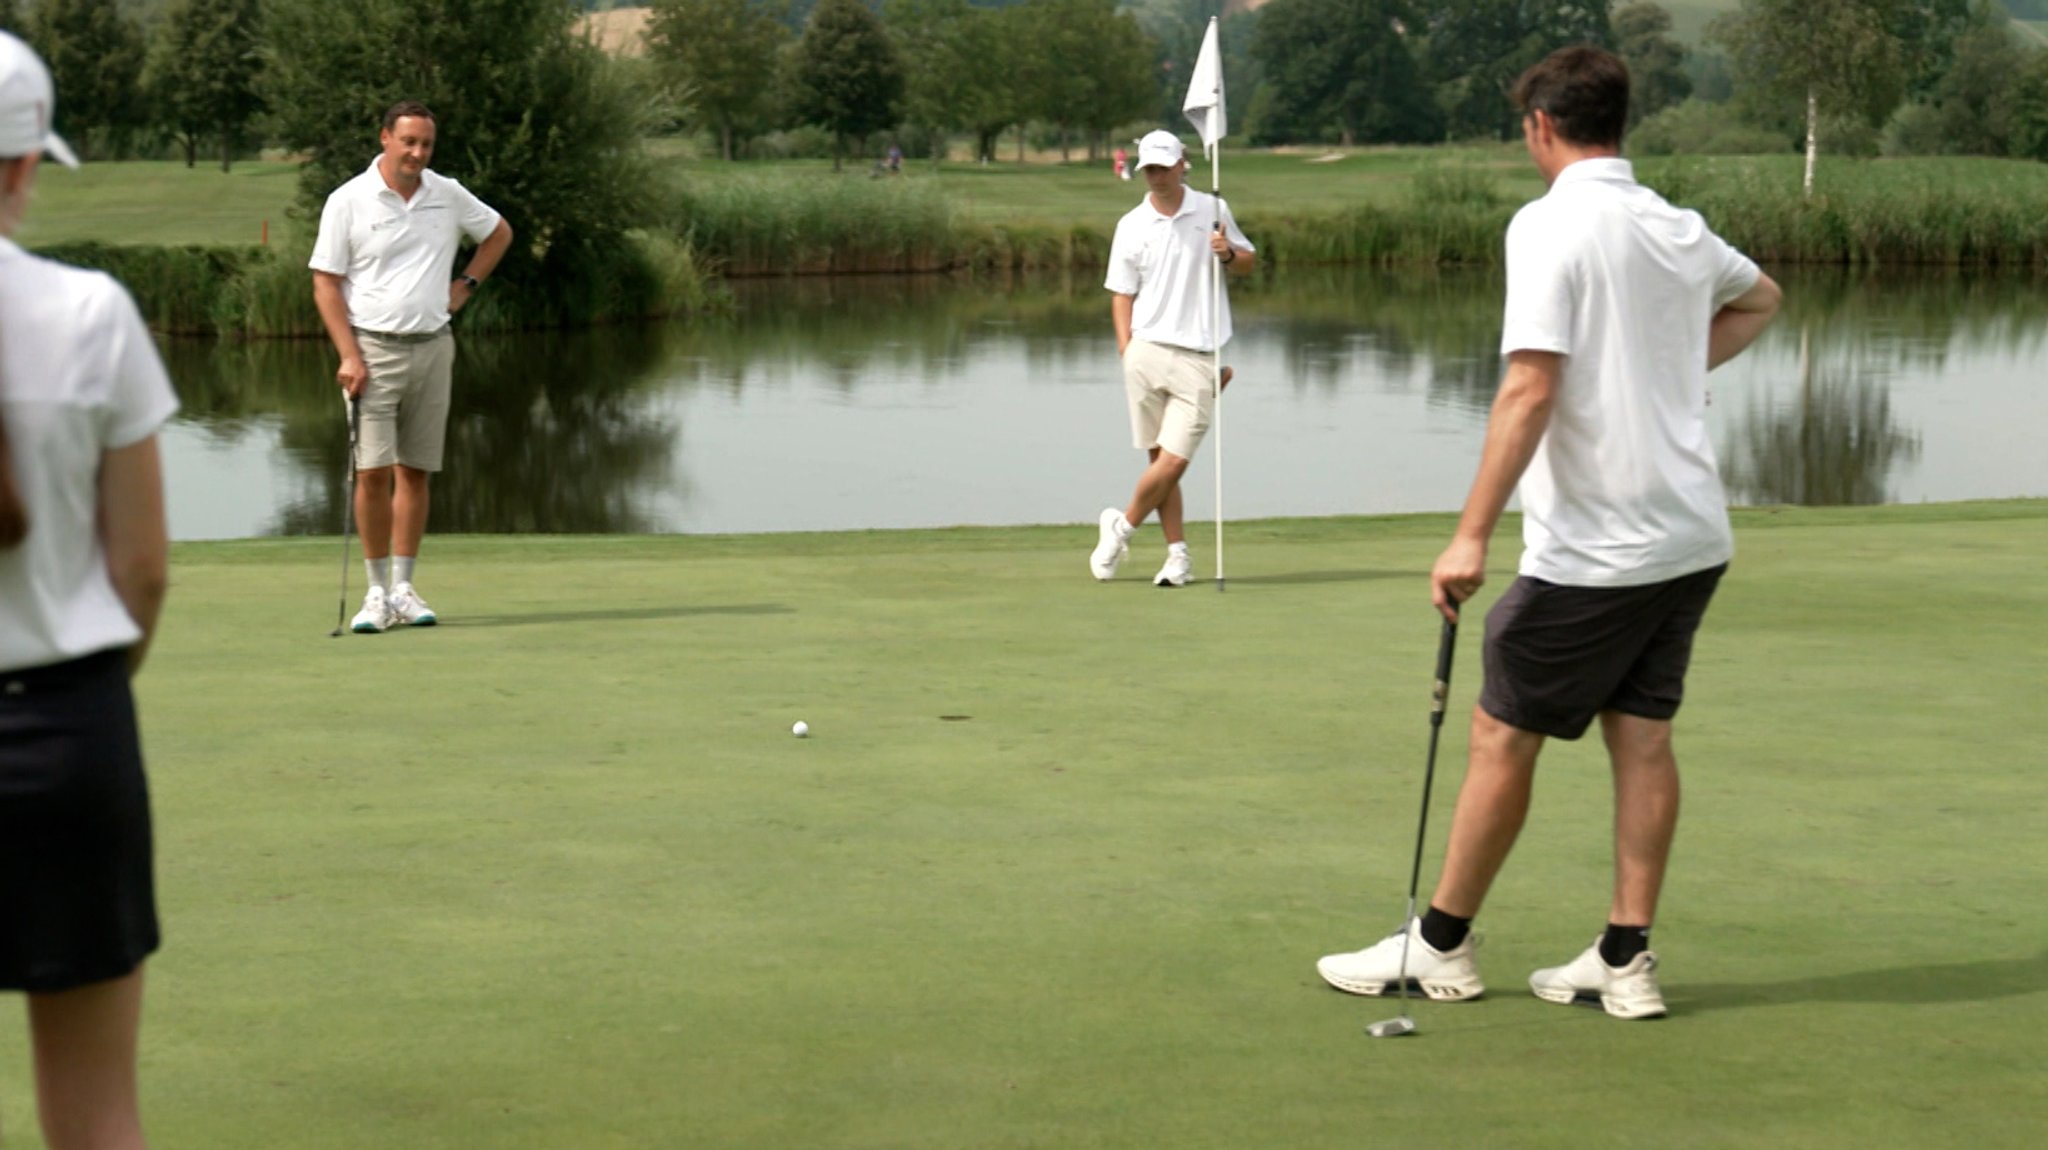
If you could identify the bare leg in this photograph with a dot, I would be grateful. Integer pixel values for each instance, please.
(373, 511)
(1160, 483)
(84, 1042)
(1492, 804)
(1172, 520)
(1645, 812)
(409, 510)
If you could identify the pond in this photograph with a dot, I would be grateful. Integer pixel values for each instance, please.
(936, 401)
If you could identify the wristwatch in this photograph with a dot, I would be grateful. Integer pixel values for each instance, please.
(471, 280)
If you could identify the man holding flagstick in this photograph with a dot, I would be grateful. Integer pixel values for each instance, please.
(1172, 318)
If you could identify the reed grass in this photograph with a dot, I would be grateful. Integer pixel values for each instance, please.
(178, 289)
(267, 292)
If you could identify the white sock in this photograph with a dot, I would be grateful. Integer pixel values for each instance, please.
(1124, 530)
(401, 567)
(1180, 548)
(379, 571)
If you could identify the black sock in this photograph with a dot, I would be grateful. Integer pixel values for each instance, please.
(1620, 945)
(1444, 931)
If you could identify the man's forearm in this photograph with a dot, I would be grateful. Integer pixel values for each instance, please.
(1736, 326)
(1521, 414)
(1732, 332)
(489, 252)
(1120, 318)
(334, 316)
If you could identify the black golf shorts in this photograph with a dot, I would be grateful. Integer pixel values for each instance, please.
(1557, 656)
(77, 896)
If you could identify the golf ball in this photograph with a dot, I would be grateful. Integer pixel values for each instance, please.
(800, 729)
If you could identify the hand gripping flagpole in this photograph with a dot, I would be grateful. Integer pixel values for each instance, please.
(1205, 109)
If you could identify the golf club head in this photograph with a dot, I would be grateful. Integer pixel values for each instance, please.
(334, 634)
(1392, 1028)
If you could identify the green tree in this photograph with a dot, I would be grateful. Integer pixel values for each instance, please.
(531, 117)
(848, 78)
(1477, 49)
(1840, 57)
(95, 54)
(204, 73)
(1980, 104)
(719, 52)
(941, 68)
(1085, 66)
(10, 16)
(997, 99)
(1656, 60)
(1176, 28)
(1351, 75)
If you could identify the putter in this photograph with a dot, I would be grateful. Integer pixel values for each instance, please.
(1405, 1024)
(348, 516)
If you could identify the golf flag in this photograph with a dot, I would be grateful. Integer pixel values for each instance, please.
(1204, 105)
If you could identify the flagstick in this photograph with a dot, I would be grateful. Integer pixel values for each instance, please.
(1216, 327)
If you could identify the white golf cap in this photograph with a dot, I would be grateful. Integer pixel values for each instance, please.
(27, 104)
(1160, 149)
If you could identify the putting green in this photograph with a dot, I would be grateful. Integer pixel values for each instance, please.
(1055, 864)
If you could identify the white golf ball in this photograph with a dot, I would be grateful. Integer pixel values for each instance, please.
(800, 729)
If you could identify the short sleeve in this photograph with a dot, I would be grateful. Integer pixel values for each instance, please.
(476, 218)
(1738, 274)
(330, 249)
(1123, 277)
(1538, 316)
(139, 399)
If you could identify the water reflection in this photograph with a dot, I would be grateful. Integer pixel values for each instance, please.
(885, 402)
(1836, 444)
(545, 433)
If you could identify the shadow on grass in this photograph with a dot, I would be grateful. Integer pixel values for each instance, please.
(1303, 578)
(620, 615)
(1908, 985)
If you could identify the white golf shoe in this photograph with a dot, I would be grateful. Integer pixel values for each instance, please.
(1112, 544)
(376, 615)
(409, 608)
(1446, 976)
(1178, 570)
(1625, 992)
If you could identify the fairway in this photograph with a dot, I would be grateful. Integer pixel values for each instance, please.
(1055, 864)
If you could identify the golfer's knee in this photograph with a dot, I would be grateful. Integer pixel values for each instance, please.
(374, 480)
(1170, 465)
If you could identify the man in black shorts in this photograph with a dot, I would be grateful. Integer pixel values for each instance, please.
(1618, 305)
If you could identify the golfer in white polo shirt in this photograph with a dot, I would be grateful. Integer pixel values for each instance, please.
(1618, 305)
(1160, 268)
(381, 278)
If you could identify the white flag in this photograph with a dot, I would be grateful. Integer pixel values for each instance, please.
(1204, 105)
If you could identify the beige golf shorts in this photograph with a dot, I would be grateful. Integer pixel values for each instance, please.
(405, 402)
(1172, 393)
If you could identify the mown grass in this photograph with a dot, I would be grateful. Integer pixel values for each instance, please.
(1055, 864)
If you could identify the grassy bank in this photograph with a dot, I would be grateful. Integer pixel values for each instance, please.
(1404, 207)
(1055, 864)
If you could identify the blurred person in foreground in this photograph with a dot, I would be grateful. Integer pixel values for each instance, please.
(83, 573)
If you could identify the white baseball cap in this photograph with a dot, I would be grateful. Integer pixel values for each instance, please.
(27, 104)
(1160, 149)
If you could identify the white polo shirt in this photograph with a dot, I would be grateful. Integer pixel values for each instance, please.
(1623, 489)
(79, 375)
(1166, 263)
(396, 256)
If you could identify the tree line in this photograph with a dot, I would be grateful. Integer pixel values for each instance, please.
(143, 77)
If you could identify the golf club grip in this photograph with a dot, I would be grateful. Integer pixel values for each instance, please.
(1446, 647)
